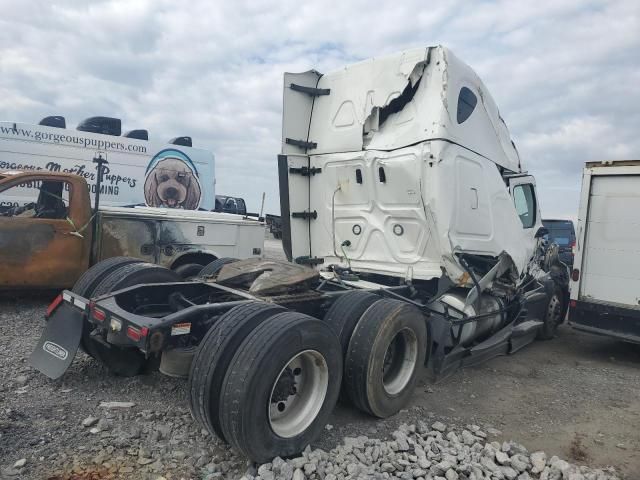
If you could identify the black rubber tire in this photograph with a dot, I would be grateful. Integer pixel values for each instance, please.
(86, 284)
(127, 361)
(247, 388)
(365, 359)
(90, 279)
(214, 354)
(135, 274)
(553, 315)
(189, 271)
(344, 313)
(214, 267)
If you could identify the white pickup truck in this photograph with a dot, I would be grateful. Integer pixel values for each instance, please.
(605, 280)
(50, 239)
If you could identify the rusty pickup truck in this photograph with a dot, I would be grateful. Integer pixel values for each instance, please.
(48, 238)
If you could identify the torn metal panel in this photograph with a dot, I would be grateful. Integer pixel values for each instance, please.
(395, 101)
(264, 277)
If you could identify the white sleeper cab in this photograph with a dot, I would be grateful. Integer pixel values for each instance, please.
(414, 239)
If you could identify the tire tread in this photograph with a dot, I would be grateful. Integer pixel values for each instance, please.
(246, 362)
(212, 350)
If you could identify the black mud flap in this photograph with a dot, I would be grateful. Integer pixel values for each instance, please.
(59, 342)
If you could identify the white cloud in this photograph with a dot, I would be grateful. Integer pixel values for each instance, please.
(564, 74)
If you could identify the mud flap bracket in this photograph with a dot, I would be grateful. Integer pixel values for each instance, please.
(301, 143)
(306, 215)
(306, 260)
(305, 171)
(314, 92)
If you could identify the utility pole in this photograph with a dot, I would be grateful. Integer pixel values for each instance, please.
(101, 162)
(262, 206)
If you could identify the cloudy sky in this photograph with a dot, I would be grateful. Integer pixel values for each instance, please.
(564, 73)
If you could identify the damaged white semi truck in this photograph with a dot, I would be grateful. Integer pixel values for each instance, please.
(414, 239)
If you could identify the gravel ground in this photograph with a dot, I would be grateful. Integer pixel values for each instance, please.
(575, 397)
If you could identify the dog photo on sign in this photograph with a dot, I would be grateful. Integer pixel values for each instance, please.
(172, 182)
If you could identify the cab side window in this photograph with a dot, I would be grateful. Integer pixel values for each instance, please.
(467, 101)
(524, 198)
(242, 208)
(231, 206)
(48, 199)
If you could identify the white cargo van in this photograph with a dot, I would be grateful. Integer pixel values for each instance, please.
(139, 172)
(605, 280)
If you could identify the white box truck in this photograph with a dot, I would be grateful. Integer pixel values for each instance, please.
(605, 280)
(139, 172)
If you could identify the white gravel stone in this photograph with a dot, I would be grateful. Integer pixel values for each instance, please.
(429, 454)
(520, 462)
(539, 461)
(117, 404)
(575, 476)
(89, 421)
(387, 467)
(451, 474)
(561, 465)
(468, 438)
(439, 426)
(309, 468)
(509, 473)
(502, 458)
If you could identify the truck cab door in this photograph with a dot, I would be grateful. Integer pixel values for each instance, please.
(40, 242)
(523, 192)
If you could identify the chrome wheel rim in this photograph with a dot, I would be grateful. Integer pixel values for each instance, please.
(400, 361)
(554, 311)
(298, 393)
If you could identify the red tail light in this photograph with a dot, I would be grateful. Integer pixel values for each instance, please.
(575, 275)
(98, 314)
(51, 308)
(134, 334)
(573, 303)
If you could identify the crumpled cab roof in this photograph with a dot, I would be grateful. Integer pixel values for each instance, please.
(394, 101)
